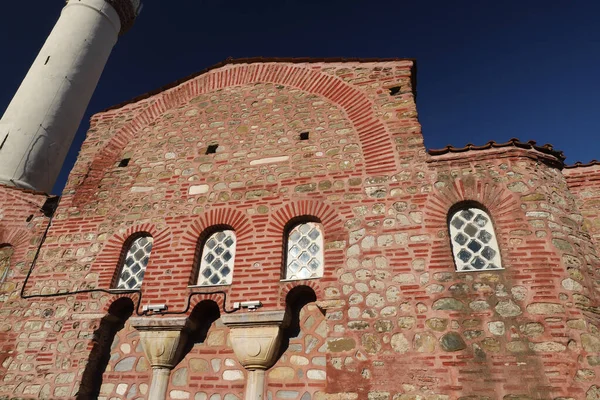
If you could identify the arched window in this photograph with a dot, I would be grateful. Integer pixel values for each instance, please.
(304, 255)
(135, 262)
(6, 252)
(217, 259)
(474, 243)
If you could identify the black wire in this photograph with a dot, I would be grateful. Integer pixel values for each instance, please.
(85, 291)
(189, 303)
(35, 257)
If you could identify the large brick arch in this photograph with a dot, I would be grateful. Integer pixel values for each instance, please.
(377, 145)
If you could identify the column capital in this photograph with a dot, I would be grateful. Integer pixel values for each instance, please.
(256, 337)
(255, 319)
(163, 339)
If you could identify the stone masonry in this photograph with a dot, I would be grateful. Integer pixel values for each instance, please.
(391, 319)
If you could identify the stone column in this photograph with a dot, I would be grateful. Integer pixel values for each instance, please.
(163, 341)
(256, 339)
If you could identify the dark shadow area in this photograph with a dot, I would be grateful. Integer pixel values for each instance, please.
(113, 322)
(395, 90)
(296, 299)
(212, 148)
(202, 317)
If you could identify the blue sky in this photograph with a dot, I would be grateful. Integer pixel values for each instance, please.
(486, 70)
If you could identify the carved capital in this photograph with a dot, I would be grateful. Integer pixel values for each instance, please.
(163, 339)
(256, 337)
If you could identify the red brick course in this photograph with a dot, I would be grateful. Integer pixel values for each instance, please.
(393, 319)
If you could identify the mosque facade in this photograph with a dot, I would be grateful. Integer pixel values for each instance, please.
(276, 229)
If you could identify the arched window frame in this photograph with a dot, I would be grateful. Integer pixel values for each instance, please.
(5, 269)
(480, 242)
(127, 246)
(293, 224)
(200, 264)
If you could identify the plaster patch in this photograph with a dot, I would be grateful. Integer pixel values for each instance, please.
(198, 189)
(269, 160)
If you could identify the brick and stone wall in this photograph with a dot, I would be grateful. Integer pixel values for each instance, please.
(392, 319)
(22, 225)
(584, 185)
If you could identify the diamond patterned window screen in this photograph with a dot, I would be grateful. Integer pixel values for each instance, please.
(5, 255)
(305, 252)
(474, 242)
(218, 255)
(134, 266)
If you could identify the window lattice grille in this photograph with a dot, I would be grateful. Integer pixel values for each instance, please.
(218, 255)
(5, 255)
(474, 243)
(136, 261)
(305, 252)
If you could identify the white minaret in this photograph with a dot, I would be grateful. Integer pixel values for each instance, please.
(40, 122)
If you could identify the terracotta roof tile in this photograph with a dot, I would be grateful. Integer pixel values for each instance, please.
(579, 164)
(530, 145)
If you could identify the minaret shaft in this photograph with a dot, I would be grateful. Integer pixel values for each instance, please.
(39, 124)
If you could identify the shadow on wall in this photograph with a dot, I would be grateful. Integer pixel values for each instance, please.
(202, 317)
(296, 299)
(118, 313)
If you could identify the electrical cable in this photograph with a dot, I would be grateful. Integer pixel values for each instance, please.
(108, 291)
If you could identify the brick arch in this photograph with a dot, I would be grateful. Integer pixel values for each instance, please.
(216, 217)
(333, 229)
(499, 202)
(287, 287)
(332, 224)
(377, 145)
(200, 297)
(107, 261)
(18, 239)
(132, 296)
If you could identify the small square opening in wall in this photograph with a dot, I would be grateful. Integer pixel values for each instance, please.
(304, 136)
(212, 148)
(124, 162)
(395, 90)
